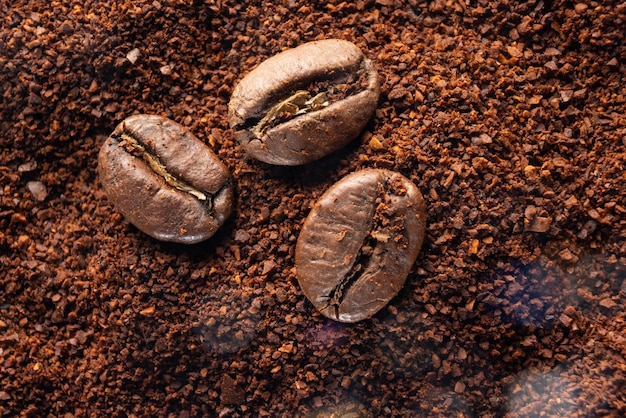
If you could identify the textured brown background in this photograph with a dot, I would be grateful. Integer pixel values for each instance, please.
(510, 118)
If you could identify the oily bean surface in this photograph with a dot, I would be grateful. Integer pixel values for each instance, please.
(359, 243)
(164, 180)
(304, 103)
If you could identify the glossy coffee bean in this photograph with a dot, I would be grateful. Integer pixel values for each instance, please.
(304, 103)
(164, 180)
(359, 242)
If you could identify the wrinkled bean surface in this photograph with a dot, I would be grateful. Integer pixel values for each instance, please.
(304, 103)
(359, 243)
(164, 180)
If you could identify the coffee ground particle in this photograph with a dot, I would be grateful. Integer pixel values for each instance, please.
(493, 110)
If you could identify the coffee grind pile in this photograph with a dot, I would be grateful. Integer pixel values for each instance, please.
(509, 117)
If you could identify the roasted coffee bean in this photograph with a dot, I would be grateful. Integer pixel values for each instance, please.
(304, 103)
(359, 242)
(164, 180)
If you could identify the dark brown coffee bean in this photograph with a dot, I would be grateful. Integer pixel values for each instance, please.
(304, 103)
(164, 180)
(359, 242)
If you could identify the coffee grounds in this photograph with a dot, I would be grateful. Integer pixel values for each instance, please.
(510, 118)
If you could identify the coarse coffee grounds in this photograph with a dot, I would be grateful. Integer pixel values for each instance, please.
(508, 116)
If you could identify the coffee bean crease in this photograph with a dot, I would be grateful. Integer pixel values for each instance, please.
(367, 261)
(157, 166)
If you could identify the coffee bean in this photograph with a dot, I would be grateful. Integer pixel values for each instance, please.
(359, 242)
(304, 103)
(164, 180)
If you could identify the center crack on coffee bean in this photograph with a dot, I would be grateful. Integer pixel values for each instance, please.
(361, 264)
(315, 97)
(297, 104)
(157, 166)
(368, 255)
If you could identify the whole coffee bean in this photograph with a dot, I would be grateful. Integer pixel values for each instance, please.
(164, 180)
(305, 102)
(359, 242)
